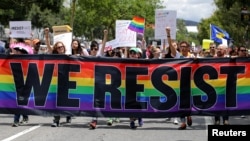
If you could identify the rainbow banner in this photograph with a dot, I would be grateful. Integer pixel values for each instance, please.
(137, 24)
(87, 86)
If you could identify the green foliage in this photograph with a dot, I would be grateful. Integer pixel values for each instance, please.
(227, 17)
(89, 17)
(37, 11)
(93, 16)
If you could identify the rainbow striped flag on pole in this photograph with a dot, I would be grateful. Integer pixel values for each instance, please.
(137, 24)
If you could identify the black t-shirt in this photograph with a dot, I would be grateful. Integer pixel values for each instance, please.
(168, 55)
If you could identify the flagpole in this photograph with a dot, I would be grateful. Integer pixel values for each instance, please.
(210, 32)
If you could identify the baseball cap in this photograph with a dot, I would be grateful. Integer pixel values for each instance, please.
(134, 49)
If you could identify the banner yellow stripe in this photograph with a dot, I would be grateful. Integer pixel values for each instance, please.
(147, 83)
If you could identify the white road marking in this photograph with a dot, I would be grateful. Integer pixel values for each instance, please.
(22, 133)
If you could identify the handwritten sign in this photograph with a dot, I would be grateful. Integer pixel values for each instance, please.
(124, 36)
(20, 29)
(165, 18)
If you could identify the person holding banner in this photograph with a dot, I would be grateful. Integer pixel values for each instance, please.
(172, 52)
(20, 48)
(154, 53)
(94, 46)
(77, 49)
(212, 49)
(221, 53)
(115, 53)
(58, 48)
(36, 45)
(185, 53)
(242, 51)
(135, 53)
(94, 51)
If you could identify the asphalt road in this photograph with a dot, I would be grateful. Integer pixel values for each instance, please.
(39, 129)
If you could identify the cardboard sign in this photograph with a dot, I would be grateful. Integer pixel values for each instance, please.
(20, 29)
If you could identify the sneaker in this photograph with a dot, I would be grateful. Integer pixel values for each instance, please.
(132, 125)
(140, 122)
(92, 124)
(183, 126)
(168, 119)
(15, 124)
(117, 120)
(189, 120)
(25, 120)
(55, 124)
(68, 119)
(175, 121)
(225, 122)
(217, 122)
(110, 122)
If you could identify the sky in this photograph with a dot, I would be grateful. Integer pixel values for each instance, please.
(193, 10)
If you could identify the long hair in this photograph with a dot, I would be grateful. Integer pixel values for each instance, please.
(54, 51)
(79, 48)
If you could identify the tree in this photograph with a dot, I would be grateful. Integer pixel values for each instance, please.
(227, 17)
(92, 17)
(18, 10)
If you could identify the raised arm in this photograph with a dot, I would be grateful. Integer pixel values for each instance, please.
(171, 47)
(105, 37)
(144, 46)
(47, 40)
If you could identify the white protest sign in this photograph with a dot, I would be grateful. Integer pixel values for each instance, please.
(66, 38)
(124, 36)
(112, 43)
(20, 29)
(165, 18)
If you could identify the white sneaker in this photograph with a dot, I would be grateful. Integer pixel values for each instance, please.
(168, 119)
(175, 121)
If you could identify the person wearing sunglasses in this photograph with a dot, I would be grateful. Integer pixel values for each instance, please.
(212, 50)
(94, 51)
(58, 48)
(242, 51)
(185, 53)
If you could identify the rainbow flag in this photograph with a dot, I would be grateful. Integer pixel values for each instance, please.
(137, 24)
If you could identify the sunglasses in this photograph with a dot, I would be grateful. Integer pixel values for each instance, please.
(212, 47)
(243, 50)
(59, 47)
